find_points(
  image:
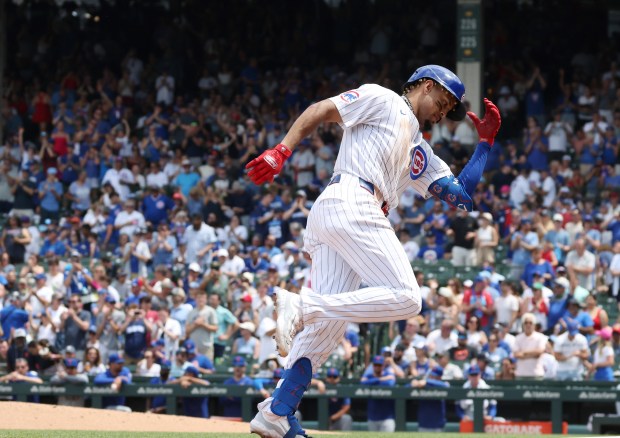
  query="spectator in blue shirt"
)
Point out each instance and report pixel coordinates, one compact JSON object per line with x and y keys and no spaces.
{"x":158,"y":404}
{"x":338,"y":407}
{"x":51,"y":244}
{"x":431,"y":413}
{"x":115,"y":377}
{"x":136,"y":329}
{"x":13,"y":316}
{"x":193,"y":406}
{"x":232,"y":405}
{"x":156,"y":206}
{"x":200,"y":361}
{"x":50,"y":194}
{"x":186,"y":179}
{"x":431,"y":251}
{"x":381,"y":412}
{"x":575,"y":312}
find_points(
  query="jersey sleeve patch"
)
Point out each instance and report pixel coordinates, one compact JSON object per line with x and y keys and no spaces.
{"x":419,"y":162}
{"x":350,"y":96}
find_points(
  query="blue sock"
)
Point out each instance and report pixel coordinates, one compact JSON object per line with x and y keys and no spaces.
{"x":286,"y":398}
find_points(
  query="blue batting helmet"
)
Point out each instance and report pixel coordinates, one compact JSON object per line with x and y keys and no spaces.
{"x":447,"y":80}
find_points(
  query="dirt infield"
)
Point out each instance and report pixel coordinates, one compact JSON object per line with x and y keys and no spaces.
{"x":40,"y":417}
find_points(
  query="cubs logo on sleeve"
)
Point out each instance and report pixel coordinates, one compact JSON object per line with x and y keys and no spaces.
{"x":419,"y":162}
{"x":350,"y":96}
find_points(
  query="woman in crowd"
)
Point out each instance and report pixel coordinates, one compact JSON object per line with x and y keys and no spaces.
{"x":91,"y":364}
{"x":601,"y":368}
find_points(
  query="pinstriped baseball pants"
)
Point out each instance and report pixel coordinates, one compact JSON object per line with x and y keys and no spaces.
{"x":350,"y":242}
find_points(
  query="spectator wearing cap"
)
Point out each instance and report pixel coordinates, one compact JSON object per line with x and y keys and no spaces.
{"x":572,"y":353}
{"x":462,"y":352}
{"x":200,"y":361}
{"x":114,"y":377}
{"x":41,"y":297}
{"x":157,"y":405}
{"x":187,"y":178}
{"x":232,"y":265}
{"x":50,"y":193}
{"x":575,"y":311}
{"x":539,"y":265}
{"x":201,"y":325}
{"x":93,"y":340}
{"x":299,"y":209}
{"x":193,"y":406}
{"x":487,"y":372}
{"x":108,"y":324}
{"x":580,"y":265}
{"x":74,"y":323}
{"x":69,"y":375}
{"x":247,"y":344}
{"x":136,"y":329}
{"x":463,"y":230}
{"x":388,"y":356}
{"x":559,"y":238}
{"x":232,"y":405}
{"x":13,"y":316}
{"x":399,"y":360}
{"x":431,"y":413}
{"x":51,"y":245}
{"x":226,"y":325}
{"x":529,"y":348}
{"x":180,"y":309}
{"x":478,"y":302}
{"x":198,"y":241}
{"x":279,"y":230}
{"x":381,"y":412}
{"x":136,"y":293}
{"x":17,"y":348}
{"x":465,"y":408}
{"x":522,"y":243}
{"x":338,"y":408}
{"x":431,"y":251}
{"x":601,"y":368}
{"x":129,"y":220}
{"x":215,"y":282}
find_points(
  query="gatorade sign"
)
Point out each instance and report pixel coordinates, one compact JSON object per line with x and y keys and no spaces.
{"x":514,"y":427}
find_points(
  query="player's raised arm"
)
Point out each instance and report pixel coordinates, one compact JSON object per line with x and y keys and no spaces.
{"x":269,"y":164}
{"x":458,"y":191}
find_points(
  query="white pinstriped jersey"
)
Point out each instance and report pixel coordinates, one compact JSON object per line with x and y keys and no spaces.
{"x":381,"y":135}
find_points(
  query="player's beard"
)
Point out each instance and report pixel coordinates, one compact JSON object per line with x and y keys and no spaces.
{"x":428,"y":125}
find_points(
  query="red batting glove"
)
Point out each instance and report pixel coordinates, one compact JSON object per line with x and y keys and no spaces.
{"x":489,"y":126}
{"x":268,"y":164}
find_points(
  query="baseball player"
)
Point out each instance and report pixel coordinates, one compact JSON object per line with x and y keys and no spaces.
{"x":348,"y":235}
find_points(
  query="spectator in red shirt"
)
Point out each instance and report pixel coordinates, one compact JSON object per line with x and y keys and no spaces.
{"x":478,"y":302}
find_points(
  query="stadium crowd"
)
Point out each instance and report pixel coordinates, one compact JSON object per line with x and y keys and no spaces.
{"x":133,"y":243}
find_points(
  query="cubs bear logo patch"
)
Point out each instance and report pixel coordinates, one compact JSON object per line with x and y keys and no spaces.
{"x":350,"y":96}
{"x":419,"y":161}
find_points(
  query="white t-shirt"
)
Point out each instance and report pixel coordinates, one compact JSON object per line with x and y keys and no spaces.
{"x":158,"y":179}
{"x":143,"y":371}
{"x":550,"y":189}
{"x":412,"y":249}
{"x":615,"y":266}
{"x":558,"y":139}
{"x":171,"y":346}
{"x":45,"y":293}
{"x":504,"y":307}
{"x":532,"y":367}
{"x":438,"y":344}
{"x":602,"y":355}
{"x":135,"y":218}
{"x":568,"y":347}
{"x":235,"y":265}
{"x":196,"y":240}
{"x":267,"y":343}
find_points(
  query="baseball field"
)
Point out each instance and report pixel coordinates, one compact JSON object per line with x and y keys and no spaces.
{"x":28,"y":420}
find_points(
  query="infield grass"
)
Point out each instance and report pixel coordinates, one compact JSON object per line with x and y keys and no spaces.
{"x":95,"y":434}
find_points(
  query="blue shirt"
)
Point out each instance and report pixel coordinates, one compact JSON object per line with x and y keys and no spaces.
{"x":12,"y":317}
{"x":49,"y":201}
{"x":232,"y":405}
{"x":135,"y":339}
{"x":557,"y":310}
{"x":156,"y":208}
{"x":522,"y":256}
{"x":432,"y":413}
{"x":535,"y":268}
{"x":379,"y":409}
{"x":56,"y":248}
{"x":335,"y":404}
{"x":196,"y":407}
{"x":202,"y":361}
{"x":107,"y":379}
{"x":159,"y":401}
{"x":186,"y":181}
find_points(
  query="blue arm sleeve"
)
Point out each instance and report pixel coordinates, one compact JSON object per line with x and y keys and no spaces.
{"x":457,"y":191}
{"x":492,"y":411}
